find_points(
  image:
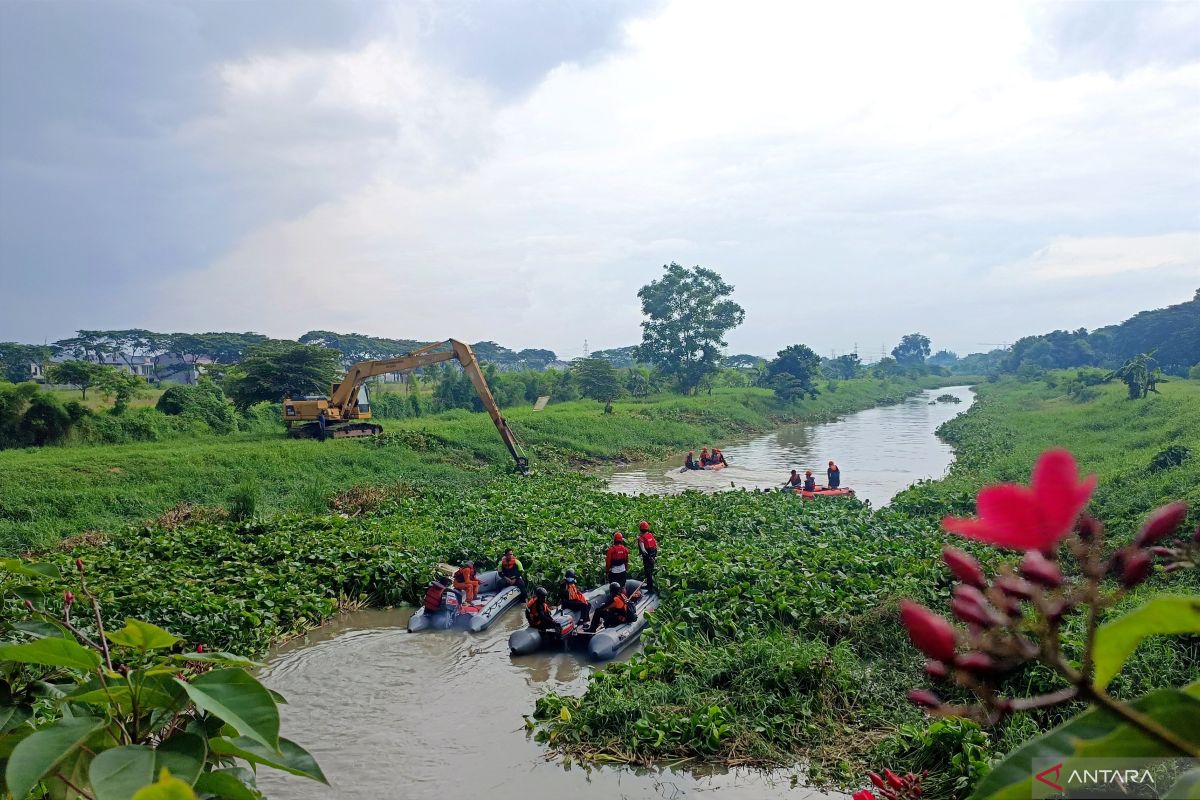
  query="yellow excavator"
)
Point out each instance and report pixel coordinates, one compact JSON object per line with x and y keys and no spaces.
{"x":348,"y":406}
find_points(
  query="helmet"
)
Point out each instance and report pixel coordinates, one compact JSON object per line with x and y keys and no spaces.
{"x":643,"y":526}
{"x":469,"y":564}
{"x":444,"y":580}
{"x":570,"y":573}
{"x":618,"y":537}
{"x":541,"y":591}
{"x":614,"y":587}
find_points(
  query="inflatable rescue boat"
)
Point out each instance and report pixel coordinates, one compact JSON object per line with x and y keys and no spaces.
{"x":839,"y":492}
{"x":493,"y":599}
{"x":601,"y":645}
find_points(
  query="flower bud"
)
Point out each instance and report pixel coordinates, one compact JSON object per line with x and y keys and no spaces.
{"x":1162,"y":522}
{"x":29,"y":605}
{"x":68,"y":597}
{"x":1178,"y":565}
{"x":1162,"y":551}
{"x":1089,"y":528}
{"x":936,"y":670}
{"x":977,"y":663}
{"x":964,"y":566}
{"x":931,"y":634}
{"x":877,"y":780}
{"x":968,"y":611}
{"x":894,"y":780}
{"x":1136,"y":569}
{"x":1057,"y":610}
{"x":863,"y":794}
{"x":1039,"y":569}
{"x":1013,"y":586}
{"x":79,"y":564}
{"x":924,"y":698}
{"x":124,"y":670}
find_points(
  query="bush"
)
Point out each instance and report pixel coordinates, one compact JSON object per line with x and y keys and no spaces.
{"x":204,"y":402}
{"x":243,"y":501}
{"x":390,"y":406}
{"x":137,"y":425}
{"x":1194,"y":372}
{"x":30,"y":416}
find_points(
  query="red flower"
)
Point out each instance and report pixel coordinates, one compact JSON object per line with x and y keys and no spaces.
{"x":931,"y":634}
{"x":1033,"y":517}
{"x":964,"y":567}
{"x":865,"y":794}
{"x":1162,"y":522}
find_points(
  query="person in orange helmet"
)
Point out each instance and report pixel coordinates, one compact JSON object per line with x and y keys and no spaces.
{"x":616,"y":560}
{"x":648,"y":548}
{"x":465,"y":582}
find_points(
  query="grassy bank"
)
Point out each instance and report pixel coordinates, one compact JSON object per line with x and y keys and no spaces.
{"x":50,"y":493}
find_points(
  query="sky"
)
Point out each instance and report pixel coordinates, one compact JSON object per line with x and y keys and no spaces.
{"x":515,"y":170}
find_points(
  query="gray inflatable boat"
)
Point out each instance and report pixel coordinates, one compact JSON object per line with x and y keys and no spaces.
{"x":493,"y":599}
{"x":601,"y":645}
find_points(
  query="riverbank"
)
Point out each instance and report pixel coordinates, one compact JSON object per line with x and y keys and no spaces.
{"x":51,"y":493}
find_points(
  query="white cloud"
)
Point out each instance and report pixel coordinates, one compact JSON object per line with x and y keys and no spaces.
{"x":868,"y":159}
{"x":1068,"y":257}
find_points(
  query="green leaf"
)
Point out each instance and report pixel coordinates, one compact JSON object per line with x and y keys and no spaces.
{"x":12,"y":716}
{"x":39,"y":753}
{"x":166,"y":788}
{"x":42,"y":629}
{"x":142,"y":636}
{"x":118,"y":773}
{"x":1012,"y":778}
{"x":240,"y":700}
{"x":226,"y":785}
{"x":1116,"y":640}
{"x":1181,"y":717}
{"x":291,"y":757}
{"x":120,"y":698}
{"x":29,"y":569}
{"x":183,"y":754}
{"x":51,"y":653}
{"x":9,"y":741}
{"x":1187,"y":787}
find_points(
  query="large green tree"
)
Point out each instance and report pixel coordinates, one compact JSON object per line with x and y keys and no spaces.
{"x":80,"y":374}
{"x":596,"y":379}
{"x":792,"y":372}
{"x":688,"y":312}
{"x":119,"y":385}
{"x":913,"y":349}
{"x":275,"y":369}
{"x":15,"y":359}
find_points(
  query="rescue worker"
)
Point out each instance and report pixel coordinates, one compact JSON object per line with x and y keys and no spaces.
{"x":538,"y":612}
{"x":648,"y":548}
{"x":690,"y":462}
{"x":617,"y":610}
{"x":616,"y":560}
{"x":465,"y":581}
{"x":793,"y":482}
{"x":512,"y":572}
{"x":835,"y":475}
{"x":573,"y":598}
{"x":704,"y":458}
{"x":718,"y":458}
{"x":321,"y":421}
{"x":810,"y":483}
{"x":435,"y":594}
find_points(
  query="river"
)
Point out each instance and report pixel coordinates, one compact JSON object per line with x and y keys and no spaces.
{"x":389,"y":714}
{"x":880,"y":451}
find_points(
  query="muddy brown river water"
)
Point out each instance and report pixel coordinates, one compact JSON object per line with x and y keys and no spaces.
{"x":389,"y":714}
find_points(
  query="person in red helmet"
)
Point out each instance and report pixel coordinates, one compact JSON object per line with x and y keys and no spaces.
{"x":648,"y":548}
{"x":616,"y":561}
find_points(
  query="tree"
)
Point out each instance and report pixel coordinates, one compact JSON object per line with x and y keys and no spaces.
{"x":688,"y":315}
{"x":791,"y":373}
{"x":1140,"y":374}
{"x":276,"y":369}
{"x":15,"y":359}
{"x":118,"y":385}
{"x":596,"y":379}
{"x":944,"y":358}
{"x":843,"y":367}
{"x":913,"y":349}
{"x":80,"y":374}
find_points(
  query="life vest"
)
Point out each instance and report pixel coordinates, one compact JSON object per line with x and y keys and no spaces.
{"x":508,"y":566}
{"x":810,"y":484}
{"x":618,"y":604}
{"x":575,"y":593}
{"x":433,"y":597}
{"x":618,"y":557}
{"x":649,"y":542}
{"x":534,"y":612}
{"x":464,"y":575}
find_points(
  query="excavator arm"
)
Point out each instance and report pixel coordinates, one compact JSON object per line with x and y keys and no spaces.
{"x":346,"y":393}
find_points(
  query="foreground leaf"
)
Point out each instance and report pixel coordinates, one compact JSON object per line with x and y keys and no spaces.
{"x":142,"y":636}
{"x":183,"y":754}
{"x":118,"y":773}
{"x":291,"y":757}
{"x":1116,"y":640}
{"x":41,"y":752}
{"x":51,"y":652}
{"x":166,"y":788}
{"x":29,"y":569}
{"x":226,"y":785}
{"x":240,"y":700}
{"x":1187,"y":787}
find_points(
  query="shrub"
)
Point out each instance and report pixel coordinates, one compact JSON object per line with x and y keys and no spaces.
{"x":243,"y":501}
{"x":30,"y":416}
{"x":204,"y":402}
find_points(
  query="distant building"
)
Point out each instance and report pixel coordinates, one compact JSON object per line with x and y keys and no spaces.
{"x":173,"y":368}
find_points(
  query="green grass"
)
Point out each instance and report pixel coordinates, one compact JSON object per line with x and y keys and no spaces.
{"x":97,"y":401}
{"x":50,"y":493}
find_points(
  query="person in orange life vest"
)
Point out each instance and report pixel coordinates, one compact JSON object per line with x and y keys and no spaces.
{"x":538,"y":612}
{"x":573,"y":598}
{"x":465,"y":581}
{"x":690,"y":461}
{"x":511,"y":571}
{"x":835,"y":475}
{"x":718,"y":458}
{"x":794,"y":481}
{"x":810,"y":483}
{"x":616,"y":560}
{"x":648,"y":548}
{"x":704,"y":457}
{"x":618,"y":610}
{"x":435,"y":595}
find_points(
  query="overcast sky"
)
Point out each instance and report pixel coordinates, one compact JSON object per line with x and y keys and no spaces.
{"x":516,"y":169}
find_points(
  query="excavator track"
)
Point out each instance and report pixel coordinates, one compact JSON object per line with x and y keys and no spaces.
{"x":313,"y":431}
